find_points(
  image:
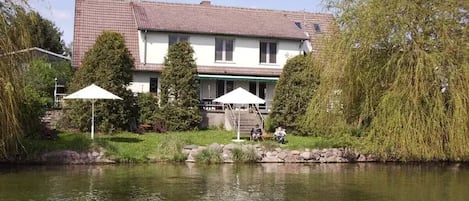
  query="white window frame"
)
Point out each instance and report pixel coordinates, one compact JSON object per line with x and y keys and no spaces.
{"x":223,"y":51}
{"x":267,"y":55}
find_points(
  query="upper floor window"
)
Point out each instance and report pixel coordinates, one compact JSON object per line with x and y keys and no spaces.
{"x":174,"y":38}
{"x":223,"y":49}
{"x":268,"y":52}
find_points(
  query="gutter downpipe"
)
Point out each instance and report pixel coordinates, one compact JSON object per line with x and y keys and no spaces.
{"x":145,"y":50}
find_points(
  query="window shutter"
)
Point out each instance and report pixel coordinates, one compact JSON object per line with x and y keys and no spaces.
{"x":218,"y":49}
{"x":272,"y":53}
{"x":229,"y":50}
{"x":263,"y":52}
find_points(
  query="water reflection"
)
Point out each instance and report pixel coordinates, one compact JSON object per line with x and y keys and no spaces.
{"x":361,"y":181}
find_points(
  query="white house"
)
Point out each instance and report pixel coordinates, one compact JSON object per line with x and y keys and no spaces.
{"x":234,"y":47}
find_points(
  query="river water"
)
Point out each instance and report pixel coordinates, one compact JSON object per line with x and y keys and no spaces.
{"x":242,"y":182}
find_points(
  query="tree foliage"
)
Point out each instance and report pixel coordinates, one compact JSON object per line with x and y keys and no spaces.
{"x":179,"y":88}
{"x":44,"y":33}
{"x":107,"y":64}
{"x":299,"y":80}
{"x":148,"y":109}
{"x":40,"y":76}
{"x":398,"y":70}
{"x":13,"y":113}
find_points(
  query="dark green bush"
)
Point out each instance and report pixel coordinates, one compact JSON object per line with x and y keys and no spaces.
{"x":148,"y":109}
{"x":298,"y":82}
{"x":180,"y":89}
{"x":107,"y":64}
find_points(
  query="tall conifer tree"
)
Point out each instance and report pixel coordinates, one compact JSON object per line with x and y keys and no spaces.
{"x":180,"y":88}
{"x":107,"y":64}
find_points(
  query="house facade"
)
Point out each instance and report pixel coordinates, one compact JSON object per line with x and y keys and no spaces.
{"x":234,"y":47}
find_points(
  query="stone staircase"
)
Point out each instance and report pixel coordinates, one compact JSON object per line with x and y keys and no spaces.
{"x":51,"y":118}
{"x":248,"y":121}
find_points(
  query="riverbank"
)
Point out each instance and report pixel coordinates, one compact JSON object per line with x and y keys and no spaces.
{"x":219,"y":153}
{"x":77,"y":148}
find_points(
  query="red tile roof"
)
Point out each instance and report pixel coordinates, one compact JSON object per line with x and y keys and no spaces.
{"x":92,"y":17}
{"x":307,"y":19}
{"x":195,"y":18}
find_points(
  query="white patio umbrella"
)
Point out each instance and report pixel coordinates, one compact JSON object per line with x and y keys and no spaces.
{"x":239,"y":96}
{"x":92,"y":93}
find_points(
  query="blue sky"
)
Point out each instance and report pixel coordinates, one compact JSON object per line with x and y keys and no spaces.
{"x":61,"y":12}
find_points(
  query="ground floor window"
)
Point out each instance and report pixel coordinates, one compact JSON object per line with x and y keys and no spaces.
{"x":153,"y":85}
{"x":258,"y":89}
{"x":224,"y":86}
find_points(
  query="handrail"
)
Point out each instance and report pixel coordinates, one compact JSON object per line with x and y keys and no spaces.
{"x":233,"y":116}
{"x":260,"y":115}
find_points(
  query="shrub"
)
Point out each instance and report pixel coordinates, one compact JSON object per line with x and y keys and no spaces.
{"x":244,"y":155}
{"x":148,"y":108}
{"x":108,"y":64}
{"x":170,"y":147}
{"x":179,"y":89}
{"x":209,"y":156}
{"x":298,"y":82}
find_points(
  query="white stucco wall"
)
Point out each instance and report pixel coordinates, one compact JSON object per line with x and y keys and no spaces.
{"x":141,"y":81}
{"x":245,"y":52}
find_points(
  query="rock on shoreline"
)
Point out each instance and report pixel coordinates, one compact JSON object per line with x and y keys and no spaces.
{"x":263,"y":155}
{"x":73,"y":157}
{"x":278,"y":155}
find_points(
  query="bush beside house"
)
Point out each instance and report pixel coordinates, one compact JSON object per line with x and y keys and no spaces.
{"x":179,"y":89}
{"x":107,"y":64}
{"x":298,"y":82}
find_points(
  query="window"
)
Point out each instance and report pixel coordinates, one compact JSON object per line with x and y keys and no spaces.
{"x":177,"y":38}
{"x":223,"y":49}
{"x":268,"y":52}
{"x":220,"y":88}
{"x":298,"y":24}
{"x":224,"y":86}
{"x":229,"y":86}
{"x":317,"y":28}
{"x":153,"y":85}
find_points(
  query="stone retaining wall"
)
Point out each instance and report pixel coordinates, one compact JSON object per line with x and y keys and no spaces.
{"x":73,"y":157}
{"x":263,"y":155}
{"x":278,"y":155}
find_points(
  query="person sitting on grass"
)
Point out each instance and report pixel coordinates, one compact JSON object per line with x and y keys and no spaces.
{"x":256,"y":133}
{"x":280,"y":135}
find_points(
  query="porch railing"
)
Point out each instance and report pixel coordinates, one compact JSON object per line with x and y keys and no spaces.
{"x":258,"y":112}
{"x":234,"y":121}
{"x":208,"y":105}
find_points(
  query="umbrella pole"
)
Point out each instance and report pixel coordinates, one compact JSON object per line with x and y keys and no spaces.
{"x":239,"y":121}
{"x":92,"y":119}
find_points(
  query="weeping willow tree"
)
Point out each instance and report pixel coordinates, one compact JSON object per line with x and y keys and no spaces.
{"x":399,"y":71}
{"x":11,"y":91}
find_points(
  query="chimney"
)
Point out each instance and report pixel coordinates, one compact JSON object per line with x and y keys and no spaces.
{"x":205,"y":3}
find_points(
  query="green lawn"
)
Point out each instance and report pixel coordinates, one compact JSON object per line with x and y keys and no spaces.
{"x":131,"y":147}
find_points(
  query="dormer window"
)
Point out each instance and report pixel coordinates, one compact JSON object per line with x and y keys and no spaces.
{"x":298,"y":24}
{"x":317,"y":28}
